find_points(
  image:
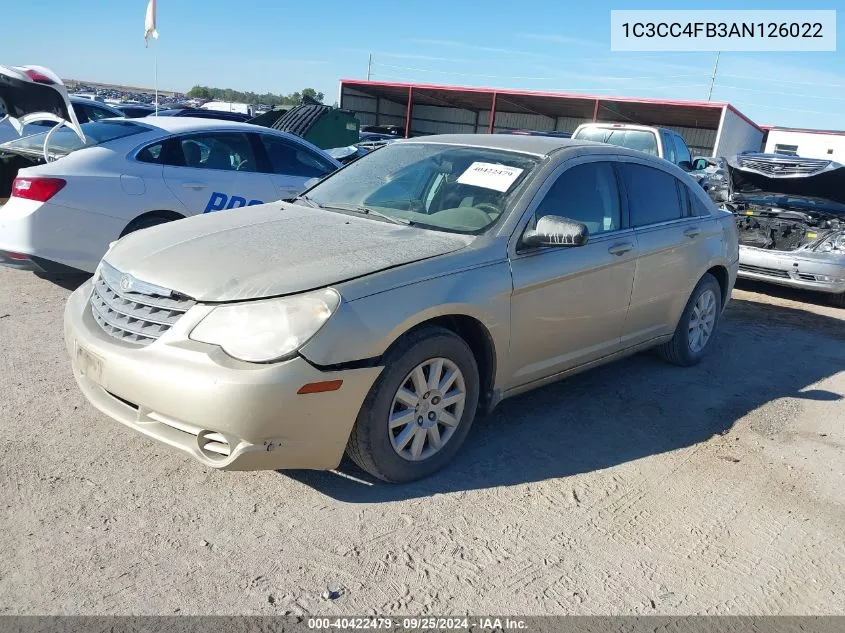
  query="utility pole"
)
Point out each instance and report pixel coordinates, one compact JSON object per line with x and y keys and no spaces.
{"x":713,"y":79}
{"x":369,"y":66}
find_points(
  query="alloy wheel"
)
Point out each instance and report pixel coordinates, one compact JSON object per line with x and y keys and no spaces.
{"x":427,"y":409}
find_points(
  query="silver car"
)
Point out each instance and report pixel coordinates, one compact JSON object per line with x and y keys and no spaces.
{"x":790,"y":213}
{"x":380,"y":311}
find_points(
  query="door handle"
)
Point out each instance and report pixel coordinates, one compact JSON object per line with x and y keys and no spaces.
{"x":196,"y":186}
{"x":692,"y":232}
{"x":620,"y":249}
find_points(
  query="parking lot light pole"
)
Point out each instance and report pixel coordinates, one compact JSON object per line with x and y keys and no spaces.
{"x":713,"y":79}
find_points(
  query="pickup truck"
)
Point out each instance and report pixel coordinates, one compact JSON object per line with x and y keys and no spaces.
{"x":656,"y":141}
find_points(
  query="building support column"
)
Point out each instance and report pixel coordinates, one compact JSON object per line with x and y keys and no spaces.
{"x":409,"y":112}
{"x":492,"y":115}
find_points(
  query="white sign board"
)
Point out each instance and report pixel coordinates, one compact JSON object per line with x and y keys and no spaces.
{"x":490,"y":176}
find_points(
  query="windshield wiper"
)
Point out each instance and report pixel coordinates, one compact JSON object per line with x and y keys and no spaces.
{"x":359,"y":208}
{"x":304,"y":198}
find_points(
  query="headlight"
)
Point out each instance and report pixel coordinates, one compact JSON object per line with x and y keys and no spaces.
{"x":100,"y":265}
{"x":268,"y":330}
{"x":834,"y":243}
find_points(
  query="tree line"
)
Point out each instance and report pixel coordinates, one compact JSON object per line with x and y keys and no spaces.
{"x":268,"y":98}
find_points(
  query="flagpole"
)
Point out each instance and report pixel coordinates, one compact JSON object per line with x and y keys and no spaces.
{"x":156,"y":73}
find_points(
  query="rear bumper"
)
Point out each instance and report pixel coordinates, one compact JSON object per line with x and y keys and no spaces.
{"x":54,"y":237}
{"x":22,"y":261}
{"x":819,"y":272}
{"x":192,"y":396}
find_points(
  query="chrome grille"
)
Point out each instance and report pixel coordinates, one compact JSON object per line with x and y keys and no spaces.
{"x":783,"y":166}
{"x":761,"y":270}
{"x":132,"y":310}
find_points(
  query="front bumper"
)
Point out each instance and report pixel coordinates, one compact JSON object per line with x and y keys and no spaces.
{"x":225,"y":413}
{"x":805,"y":270}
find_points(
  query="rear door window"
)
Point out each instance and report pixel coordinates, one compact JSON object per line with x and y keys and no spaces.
{"x":652,"y":195}
{"x":151,"y":154}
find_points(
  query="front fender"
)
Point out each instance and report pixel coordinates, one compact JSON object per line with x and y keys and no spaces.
{"x":365,"y":328}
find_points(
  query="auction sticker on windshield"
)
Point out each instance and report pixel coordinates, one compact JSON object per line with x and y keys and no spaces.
{"x":490,"y":176}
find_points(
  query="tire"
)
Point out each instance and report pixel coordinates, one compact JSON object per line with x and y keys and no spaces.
{"x":373,"y":445}
{"x":838,"y":301}
{"x":679,"y":350}
{"x":145,"y":222}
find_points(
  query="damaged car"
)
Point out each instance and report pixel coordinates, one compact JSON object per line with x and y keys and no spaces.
{"x":379,"y":310}
{"x":790,"y":215}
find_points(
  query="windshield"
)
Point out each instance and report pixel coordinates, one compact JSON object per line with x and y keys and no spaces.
{"x":444,"y":187}
{"x":641,"y":140}
{"x":64,"y":141}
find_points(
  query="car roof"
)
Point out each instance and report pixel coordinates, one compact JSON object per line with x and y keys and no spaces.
{"x":525,"y":143}
{"x":175,"y":124}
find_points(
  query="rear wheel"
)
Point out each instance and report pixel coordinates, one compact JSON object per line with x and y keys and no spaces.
{"x":419,"y":411}
{"x":697,"y":325}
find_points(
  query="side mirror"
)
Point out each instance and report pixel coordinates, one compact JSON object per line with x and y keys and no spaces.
{"x":699,"y":164}
{"x":553,"y":230}
{"x":686,"y":165}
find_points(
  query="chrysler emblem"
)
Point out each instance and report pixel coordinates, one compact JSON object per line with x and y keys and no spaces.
{"x":126,"y":283}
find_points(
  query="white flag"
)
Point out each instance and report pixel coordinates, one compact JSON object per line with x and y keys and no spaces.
{"x":150,"y":23}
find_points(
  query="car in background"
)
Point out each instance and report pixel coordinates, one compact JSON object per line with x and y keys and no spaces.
{"x":790,"y":214}
{"x":197,"y":113}
{"x":135,"y":110}
{"x":554,"y":133}
{"x":135,"y":173}
{"x":391,"y":130}
{"x":710,"y":173}
{"x":666,"y":144}
{"x":375,"y":137}
{"x":381,"y":309}
{"x":85,"y":109}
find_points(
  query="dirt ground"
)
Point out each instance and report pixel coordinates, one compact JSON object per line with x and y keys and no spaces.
{"x":634,"y":488}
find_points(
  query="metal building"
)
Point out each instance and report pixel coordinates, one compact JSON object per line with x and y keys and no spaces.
{"x":824,"y":144}
{"x":709,"y":128}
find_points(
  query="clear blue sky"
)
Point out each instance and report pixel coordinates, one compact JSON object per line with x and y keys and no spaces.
{"x":279,"y":46}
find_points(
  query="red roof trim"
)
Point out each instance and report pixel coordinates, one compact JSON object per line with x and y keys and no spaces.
{"x":533,"y":93}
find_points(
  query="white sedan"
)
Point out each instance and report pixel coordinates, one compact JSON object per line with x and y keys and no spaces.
{"x":130,"y":174}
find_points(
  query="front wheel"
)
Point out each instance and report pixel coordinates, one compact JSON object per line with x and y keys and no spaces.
{"x":419,"y":411}
{"x":697,"y":325}
{"x":837,"y":301}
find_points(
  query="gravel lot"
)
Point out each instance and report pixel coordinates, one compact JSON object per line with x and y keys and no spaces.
{"x":635,"y":488}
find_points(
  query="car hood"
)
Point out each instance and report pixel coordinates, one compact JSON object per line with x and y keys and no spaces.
{"x":769,"y":174}
{"x":271,"y":250}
